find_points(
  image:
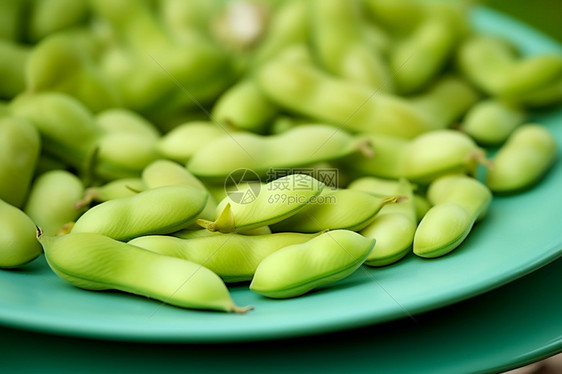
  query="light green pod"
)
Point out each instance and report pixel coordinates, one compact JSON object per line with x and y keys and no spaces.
{"x":306,"y":90}
{"x":19,"y":151}
{"x":244,"y":106}
{"x":65,"y":62}
{"x":335,"y":209}
{"x":124,"y":155}
{"x":289,"y":25}
{"x":393,"y":228}
{"x":168,"y":173}
{"x":160,"y":210}
{"x":526,"y":156}
{"x":300,"y":268}
{"x":12,"y":17}
{"x":121,"y":120}
{"x":491,"y":122}
{"x":446,"y":101}
{"x":418,"y":58}
{"x":309,"y":144}
{"x":66,"y":126}
{"x":249,"y":208}
{"x":180,"y":143}
{"x":17,"y":237}
{"x":458,"y":202}
{"x":116,"y":189}
{"x":12,"y":65}
{"x":494,"y":66}
{"x":438,"y":153}
{"x":339,"y":43}
{"x":233,"y":257}
{"x":96,"y":262}
{"x":49,"y":16}
{"x":52,"y":200}
{"x":399,"y":16}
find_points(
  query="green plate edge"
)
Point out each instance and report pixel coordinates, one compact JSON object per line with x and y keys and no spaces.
{"x":519,"y":236}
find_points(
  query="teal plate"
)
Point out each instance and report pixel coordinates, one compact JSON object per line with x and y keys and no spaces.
{"x":520,"y":234}
{"x":508,"y":327}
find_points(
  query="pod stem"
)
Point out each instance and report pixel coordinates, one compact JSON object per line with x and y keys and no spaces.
{"x":479,"y":157}
{"x":366,"y":148}
{"x":209,"y":225}
{"x":241,"y":310}
{"x":393,"y":199}
{"x":90,"y":195}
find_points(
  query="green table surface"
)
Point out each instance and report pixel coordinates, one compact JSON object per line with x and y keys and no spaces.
{"x":513,"y":325}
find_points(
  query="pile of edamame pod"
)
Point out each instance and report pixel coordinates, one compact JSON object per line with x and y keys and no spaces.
{"x":171,"y":148}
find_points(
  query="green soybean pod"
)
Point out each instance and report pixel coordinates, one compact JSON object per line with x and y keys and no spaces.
{"x":181,"y":142}
{"x":309,"y":144}
{"x":122,"y":120}
{"x":248,"y":208}
{"x":66,"y":126}
{"x":438,"y":153}
{"x":17,"y":237}
{"x":49,"y":16}
{"x":116,"y":189}
{"x":393,"y":228}
{"x":300,"y":268}
{"x":338,"y":40}
{"x":203,"y":233}
{"x":233,"y":257}
{"x":289,"y":25}
{"x":446,"y":101}
{"x":458,"y":202}
{"x":19,"y":151}
{"x":526,"y":156}
{"x":12,"y":15}
{"x":388,"y":152}
{"x":160,"y":210}
{"x":420,"y":56}
{"x":124,"y":155}
{"x":168,"y":173}
{"x":490,"y":122}
{"x":335,"y":209}
{"x":244,"y":106}
{"x":306,"y":90}
{"x":12,"y":65}
{"x":401,"y":17}
{"x":52,"y":200}
{"x":96,"y":262}
{"x":65,"y":62}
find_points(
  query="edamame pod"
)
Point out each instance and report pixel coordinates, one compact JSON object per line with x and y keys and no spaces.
{"x":438,"y":153}
{"x":116,"y":189}
{"x":458,"y":202}
{"x":393,"y":228}
{"x":124,"y":155}
{"x":233,"y":257}
{"x":308,"y":143}
{"x":491,"y":122}
{"x":200,"y":233}
{"x":275,"y":202}
{"x":17,"y":237}
{"x":66,"y":126}
{"x":167,"y":173}
{"x":244,"y":106}
{"x":52,"y":200}
{"x":180,"y":143}
{"x":340,"y":46}
{"x":306,"y":90}
{"x":526,"y":156}
{"x":96,"y":262}
{"x":49,"y":16}
{"x":300,"y":268}
{"x":64,"y":62}
{"x":19,"y":151}
{"x":160,"y":210}
{"x":493,"y":65}
{"x":335,"y":209}
{"x":121,"y":120}
{"x":12,"y":65}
